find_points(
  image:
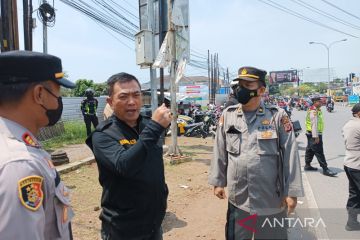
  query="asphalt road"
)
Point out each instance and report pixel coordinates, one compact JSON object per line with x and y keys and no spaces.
{"x":330,"y":193}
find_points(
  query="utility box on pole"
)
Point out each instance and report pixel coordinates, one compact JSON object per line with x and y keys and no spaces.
{"x":144,"y":53}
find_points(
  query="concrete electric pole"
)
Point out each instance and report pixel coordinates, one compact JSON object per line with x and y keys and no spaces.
{"x":174,"y":149}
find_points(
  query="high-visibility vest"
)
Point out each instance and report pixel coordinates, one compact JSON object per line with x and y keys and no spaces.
{"x":320,"y":120}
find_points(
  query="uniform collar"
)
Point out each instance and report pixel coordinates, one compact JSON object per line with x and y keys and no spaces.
{"x":16,"y":131}
{"x":260,"y":111}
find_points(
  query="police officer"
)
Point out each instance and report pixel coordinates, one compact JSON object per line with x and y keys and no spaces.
{"x":88,"y":109}
{"x":256,"y":158}
{"x":131,"y":170}
{"x":351,"y":134}
{"x":34,"y":201}
{"x":314,"y":130}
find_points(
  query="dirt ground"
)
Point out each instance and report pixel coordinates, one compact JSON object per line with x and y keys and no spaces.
{"x":193,"y":211}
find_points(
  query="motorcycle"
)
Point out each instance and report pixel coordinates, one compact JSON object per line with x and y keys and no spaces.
{"x":330,"y":107}
{"x":201,"y":129}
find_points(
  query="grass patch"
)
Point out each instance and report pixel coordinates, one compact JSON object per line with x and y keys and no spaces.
{"x":75,"y":133}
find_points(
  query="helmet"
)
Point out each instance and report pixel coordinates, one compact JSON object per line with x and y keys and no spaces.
{"x":89,"y":92}
{"x":234,"y":84}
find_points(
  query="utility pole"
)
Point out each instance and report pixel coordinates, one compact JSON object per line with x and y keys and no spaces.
{"x":212,"y":78}
{"x":153,"y":83}
{"x":27,"y":19}
{"x":162,"y":32}
{"x":15,"y":28}
{"x":10,"y":35}
{"x":174,"y":149}
{"x":45,"y":47}
{"x":209,"y":81}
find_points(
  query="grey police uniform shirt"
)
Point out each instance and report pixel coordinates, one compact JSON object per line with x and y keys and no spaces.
{"x":246,"y":155}
{"x":31,"y":207}
{"x":351,"y":134}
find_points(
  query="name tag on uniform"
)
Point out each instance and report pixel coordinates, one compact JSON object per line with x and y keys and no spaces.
{"x":266,"y":132}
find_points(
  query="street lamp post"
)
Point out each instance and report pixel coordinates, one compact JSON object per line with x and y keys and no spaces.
{"x":328,"y":54}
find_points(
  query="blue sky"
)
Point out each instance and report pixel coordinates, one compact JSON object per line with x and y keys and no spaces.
{"x":243,"y":32}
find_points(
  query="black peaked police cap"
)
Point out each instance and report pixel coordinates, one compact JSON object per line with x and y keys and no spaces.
{"x":27,"y":66}
{"x":251,"y":74}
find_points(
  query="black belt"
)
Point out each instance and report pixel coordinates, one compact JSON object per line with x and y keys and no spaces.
{"x":310,"y":133}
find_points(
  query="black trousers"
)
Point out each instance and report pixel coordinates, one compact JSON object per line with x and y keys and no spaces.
{"x":88,"y":119}
{"x":315,"y":149}
{"x":353,"y":203}
{"x":108,"y":232}
{"x":259,"y":227}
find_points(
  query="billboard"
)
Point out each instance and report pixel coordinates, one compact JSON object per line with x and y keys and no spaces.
{"x":195,"y":92}
{"x":283,"y":76}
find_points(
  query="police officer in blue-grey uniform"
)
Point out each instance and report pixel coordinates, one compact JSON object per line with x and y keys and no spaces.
{"x":256,"y":157}
{"x":34,"y":201}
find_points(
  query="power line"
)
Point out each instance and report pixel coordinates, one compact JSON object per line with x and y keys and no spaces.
{"x":132,"y":49}
{"x":298,"y":15}
{"x":344,"y":11}
{"x":325,"y":14}
{"x":123,"y":28}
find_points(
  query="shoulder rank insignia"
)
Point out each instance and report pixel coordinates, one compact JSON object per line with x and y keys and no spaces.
{"x":28,"y":140}
{"x":286,"y":123}
{"x":30,"y":192}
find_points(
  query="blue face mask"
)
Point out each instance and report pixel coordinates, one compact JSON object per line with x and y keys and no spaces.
{"x":54,"y":115}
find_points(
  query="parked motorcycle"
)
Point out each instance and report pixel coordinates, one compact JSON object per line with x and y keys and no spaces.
{"x":202,"y":129}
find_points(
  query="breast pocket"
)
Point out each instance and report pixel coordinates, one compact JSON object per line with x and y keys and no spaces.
{"x":63,"y":211}
{"x":233,"y":143}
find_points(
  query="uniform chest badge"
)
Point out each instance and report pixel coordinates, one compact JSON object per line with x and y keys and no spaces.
{"x":30,"y":192}
{"x":265,"y":122}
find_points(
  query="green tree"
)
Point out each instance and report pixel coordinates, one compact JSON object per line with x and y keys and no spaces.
{"x":323,"y":87}
{"x":67,"y":92}
{"x":100,"y":89}
{"x":305,"y":89}
{"x":82,"y":85}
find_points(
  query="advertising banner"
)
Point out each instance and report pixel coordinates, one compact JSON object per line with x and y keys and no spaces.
{"x":283,"y":76}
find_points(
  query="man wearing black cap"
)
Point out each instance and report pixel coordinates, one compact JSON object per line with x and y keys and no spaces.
{"x":34,"y":201}
{"x":256,"y":158}
{"x":351,"y":134}
{"x":314,"y":130}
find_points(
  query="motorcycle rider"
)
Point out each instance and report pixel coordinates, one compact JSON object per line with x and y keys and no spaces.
{"x":330,"y":103}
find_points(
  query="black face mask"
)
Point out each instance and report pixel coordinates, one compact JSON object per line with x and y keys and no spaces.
{"x":243,"y":95}
{"x":54,"y":114}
